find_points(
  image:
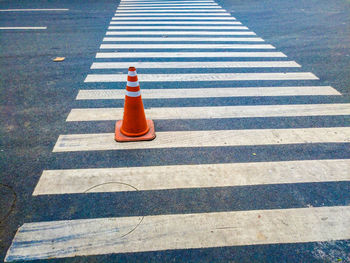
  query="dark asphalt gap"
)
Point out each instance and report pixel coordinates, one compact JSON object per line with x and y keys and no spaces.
{"x":184,"y":201}
{"x":219,"y":124}
{"x":38,"y":95}
{"x":203,"y":155}
{"x":212,"y":102}
{"x":206,"y":84}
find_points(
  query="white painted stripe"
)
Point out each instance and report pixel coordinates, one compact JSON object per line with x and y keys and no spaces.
{"x":186,"y":46}
{"x":23,"y":28}
{"x":148,"y":2}
{"x":133,"y":94}
{"x":105,"y":94}
{"x":191,"y":176}
{"x":83,"y":237}
{"x":175,"y":22}
{"x":178,"y":27}
{"x":127,"y":5}
{"x":184,"y":39}
{"x":132,"y":84}
{"x":187,"y":11}
{"x":173,"y":18}
{"x":33,"y":10}
{"x":137,"y":3}
{"x":189,"y":54}
{"x":204,"y":77}
{"x":188,"y":14}
{"x":163,"y":2}
{"x":101,"y":114}
{"x":217,"y":138}
{"x":160,"y":2}
{"x":167,"y":5}
{"x":165,"y":33}
{"x":171,"y":7}
{"x":190,"y":64}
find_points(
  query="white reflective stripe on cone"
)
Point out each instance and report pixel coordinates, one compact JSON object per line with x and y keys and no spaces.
{"x":133,"y":93}
{"x":132,"y":84}
{"x":132,"y":73}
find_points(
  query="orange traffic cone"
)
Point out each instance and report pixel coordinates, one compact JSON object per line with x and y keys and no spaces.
{"x":134,"y":126}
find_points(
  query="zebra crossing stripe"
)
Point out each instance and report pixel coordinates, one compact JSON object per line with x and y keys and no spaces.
{"x":99,"y":114}
{"x":184,"y":39}
{"x":176,"y":22}
{"x":190,"y":176}
{"x":163,"y":12}
{"x":167,"y":5}
{"x":179,"y":27}
{"x":174,"y":13}
{"x":203,"y":77}
{"x":189,"y":54}
{"x":186,"y":46}
{"x":166,"y":33}
{"x":211,"y":64}
{"x":148,"y":2}
{"x":105,"y":94}
{"x":217,"y":138}
{"x":162,"y":2}
{"x":70,"y":238}
{"x":123,"y":6}
{"x":210,"y":7}
{"x":173,"y":18}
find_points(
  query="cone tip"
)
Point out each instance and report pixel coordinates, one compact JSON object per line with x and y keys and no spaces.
{"x":132,"y":69}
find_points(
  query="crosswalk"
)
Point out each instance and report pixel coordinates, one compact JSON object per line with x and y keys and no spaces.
{"x":194,"y":53}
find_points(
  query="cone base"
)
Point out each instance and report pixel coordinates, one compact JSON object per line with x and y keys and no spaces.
{"x":150,"y":135}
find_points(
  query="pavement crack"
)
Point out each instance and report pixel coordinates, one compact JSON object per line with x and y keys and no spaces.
{"x":13,"y":204}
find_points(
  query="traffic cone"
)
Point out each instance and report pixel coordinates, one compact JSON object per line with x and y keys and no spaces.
{"x":134,"y":126}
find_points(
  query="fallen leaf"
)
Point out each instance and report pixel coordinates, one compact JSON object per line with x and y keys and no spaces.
{"x":58,"y":59}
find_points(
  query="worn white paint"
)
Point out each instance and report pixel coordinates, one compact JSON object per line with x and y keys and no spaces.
{"x":190,"y":176}
{"x":171,"y":7}
{"x":175,"y":22}
{"x":105,"y":94}
{"x":188,"y":15}
{"x":179,"y":27}
{"x":183,"y":39}
{"x":189,"y":54}
{"x":204,"y":77}
{"x":186,"y":46}
{"x":216,"y":138}
{"x":173,"y":18}
{"x":58,"y":239}
{"x":167,"y":33}
{"x":184,"y":11}
{"x":190,"y":12}
{"x":190,"y":64}
{"x":162,"y":2}
{"x":127,"y":5}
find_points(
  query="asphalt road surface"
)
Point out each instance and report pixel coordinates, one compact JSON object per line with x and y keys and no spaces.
{"x":251,"y":106}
